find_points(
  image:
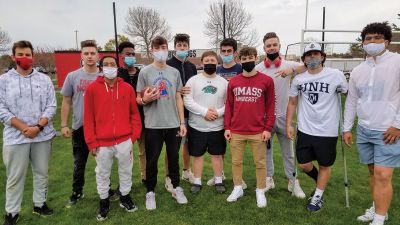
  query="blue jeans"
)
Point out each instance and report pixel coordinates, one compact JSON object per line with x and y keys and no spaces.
{"x":373,"y":150}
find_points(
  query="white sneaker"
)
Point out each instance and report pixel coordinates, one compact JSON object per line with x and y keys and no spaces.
{"x":168,"y":184}
{"x":236,"y":193}
{"x":211,"y":182}
{"x":179,"y":195}
{"x":295,"y":189}
{"x":261,"y":199}
{"x":369,"y":215}
{"x":187,"y":175}
{"x":244,"y":185}
{"x":269,"y":184}
{"x":150,"y":200}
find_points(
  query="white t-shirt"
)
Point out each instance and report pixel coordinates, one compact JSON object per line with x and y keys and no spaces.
{"x":318,"y":104}
{"x":281,"y":84}
{"x":206,"y":93}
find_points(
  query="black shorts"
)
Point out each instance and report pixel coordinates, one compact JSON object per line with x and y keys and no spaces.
{"x":199,"y":142}
{"x":322,"y":149}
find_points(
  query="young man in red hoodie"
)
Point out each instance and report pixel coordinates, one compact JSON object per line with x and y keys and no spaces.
{"x":112,"y":125}
{"x":249,"y":118}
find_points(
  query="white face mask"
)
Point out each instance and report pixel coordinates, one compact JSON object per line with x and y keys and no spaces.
{"x":160,"y":56}
{"x":110,"y":72}
{"x":373,"y":49}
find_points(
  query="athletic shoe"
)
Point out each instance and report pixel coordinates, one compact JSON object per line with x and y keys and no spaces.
{"x":315,"y":203}
{"x":127,"y":203}
{"x":220,"y":188}
{"x":211,"y":182}
{"x":244,"y":185}
{"x":261,"y":199}
{"x":104,"y":209}
{"x":114,"y":195}
{"x":236,"y":193}
{"x":369,"y":215}
{"x":188,"y":176}
{"x":295,"y":189}
{"x":269,"y":183}
{"x":74,"y":198}
{"x":150,"y":200}
{"x":195,"y":188}
{"x":43,"y":211}
{"x":179,"y":195}
{"x":10,"y":220}
{"x":168,"y":184}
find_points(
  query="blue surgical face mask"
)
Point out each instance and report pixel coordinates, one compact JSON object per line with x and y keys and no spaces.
{"x":182,"y":54}
{"x":227,"y":58}
{"x":130,"y":61}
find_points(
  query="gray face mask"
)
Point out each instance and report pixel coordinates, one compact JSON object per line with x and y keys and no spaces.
{"x":313,"y":63}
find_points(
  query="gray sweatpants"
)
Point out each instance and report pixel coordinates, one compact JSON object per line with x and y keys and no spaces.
{"x":16,"y":159}
{"x":104,"y":160}
{"x":286,"y":149}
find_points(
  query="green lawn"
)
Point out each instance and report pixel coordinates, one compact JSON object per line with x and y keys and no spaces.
{"x":207,"y":207}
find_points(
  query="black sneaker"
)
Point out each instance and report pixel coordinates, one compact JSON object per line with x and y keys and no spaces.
{"x":74,"y":198}
{"x":114,"y":194}
{"x":315,"y":204}
{"x":195,"y":188}
{"x":220,"y":188}
{"x":104,"y":209}
{"x":10,"y":220}
{"x":127,"y":203}
{"x":43,"y":211}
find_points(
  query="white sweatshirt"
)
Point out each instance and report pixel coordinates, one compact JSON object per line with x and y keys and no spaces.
{"x":281,"y":84}
{"x":374,"y":94}
{"x":206,"y":93}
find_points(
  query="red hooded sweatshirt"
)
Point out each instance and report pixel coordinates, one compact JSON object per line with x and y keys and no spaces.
{"x":111,"y":115}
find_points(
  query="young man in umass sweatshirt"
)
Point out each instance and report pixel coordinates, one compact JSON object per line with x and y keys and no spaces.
{"x":249,"y":118}
{"x":112,"y":125}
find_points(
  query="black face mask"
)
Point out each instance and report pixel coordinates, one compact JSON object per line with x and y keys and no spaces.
{"x":248,"y":66}
{"x":210,"y":68}
{"x":273,"y":56}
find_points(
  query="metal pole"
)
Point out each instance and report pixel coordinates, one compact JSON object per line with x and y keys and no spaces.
{"x":223,"y":21}
{"x":302,"y":42}
{"x":323,"y":27}
{"x":116,"y":35}
{"x":76,"y":39}
{"x":305,"y":23}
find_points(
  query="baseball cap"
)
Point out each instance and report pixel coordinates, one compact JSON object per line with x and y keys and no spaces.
{"x":313,"y":46}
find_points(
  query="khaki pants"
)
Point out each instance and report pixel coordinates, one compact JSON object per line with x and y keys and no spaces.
{"x":142,"y":157}
{"x":238,"y":145}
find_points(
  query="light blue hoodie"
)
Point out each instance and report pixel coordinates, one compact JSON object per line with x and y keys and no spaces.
{"x":27,"y":98}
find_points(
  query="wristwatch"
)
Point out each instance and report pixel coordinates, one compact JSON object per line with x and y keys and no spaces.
{"x":39,"y":126}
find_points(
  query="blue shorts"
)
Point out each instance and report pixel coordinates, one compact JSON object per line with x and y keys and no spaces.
{"x":373,"y":150}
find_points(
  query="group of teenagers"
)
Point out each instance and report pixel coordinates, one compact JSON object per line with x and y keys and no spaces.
{"x":167,"y":103}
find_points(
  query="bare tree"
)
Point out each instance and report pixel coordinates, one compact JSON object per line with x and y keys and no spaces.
{"x":143,"y":25}
{"x":237,"y":23}
{"x":5,"y":41}
{"x":44,"y":59}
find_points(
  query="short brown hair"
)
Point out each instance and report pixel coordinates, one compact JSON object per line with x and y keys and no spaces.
{"x":247,"y":51}
{"x":182,"y":38}
{"x":209,"y":53}
{"x":21,"y":44}
{"x":89,"y":43}
{"x":157,"y":41}
{"x":269,"y":36}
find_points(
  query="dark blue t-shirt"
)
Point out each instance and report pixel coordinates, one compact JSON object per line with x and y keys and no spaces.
{"x":228,"y":73}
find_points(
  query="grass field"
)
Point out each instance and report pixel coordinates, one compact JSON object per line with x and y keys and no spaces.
{"x":206,"y":207}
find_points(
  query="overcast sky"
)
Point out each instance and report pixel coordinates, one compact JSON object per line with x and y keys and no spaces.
{"x":53,"y":22}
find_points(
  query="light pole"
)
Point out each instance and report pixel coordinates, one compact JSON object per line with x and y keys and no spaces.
{"x":76,"y":39}
{"x":305,"y":23}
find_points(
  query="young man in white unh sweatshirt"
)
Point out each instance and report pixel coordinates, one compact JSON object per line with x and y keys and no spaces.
{"x":314,"y":94}
{"x":270,"y":66}
{"x":206,"y":105}
{"x":374,"y":97}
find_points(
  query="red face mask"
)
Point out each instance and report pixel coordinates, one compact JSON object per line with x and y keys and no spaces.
{"x":24,"y":62}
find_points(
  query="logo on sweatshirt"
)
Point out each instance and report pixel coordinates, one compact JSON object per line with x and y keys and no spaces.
{"x":209,"y":89}
{"x":247,"y":94}
{"x":313,"y":89}
{"x":313,"y":98}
